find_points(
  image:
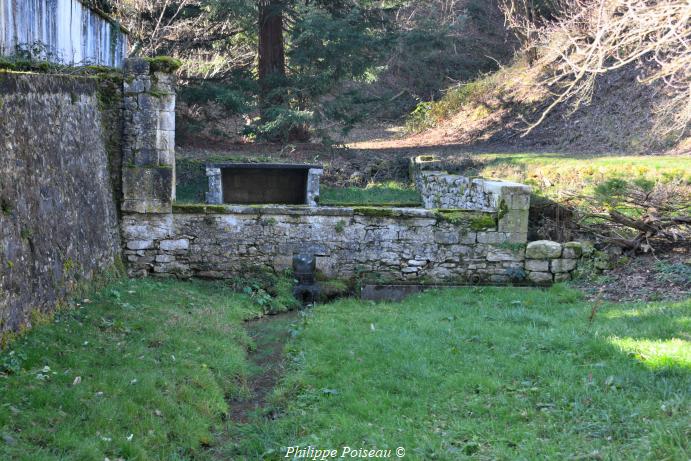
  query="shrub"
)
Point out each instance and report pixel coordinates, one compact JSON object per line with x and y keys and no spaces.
{"x":429,"y":114}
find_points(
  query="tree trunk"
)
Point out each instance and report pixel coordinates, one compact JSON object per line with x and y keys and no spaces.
{"x":272,"y":66}
{"x":271,"y":49}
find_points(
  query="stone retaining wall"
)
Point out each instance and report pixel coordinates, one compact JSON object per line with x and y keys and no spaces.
{"x":58,"y":214}
{"x":441,"y":190}
{"x":390,"y":243}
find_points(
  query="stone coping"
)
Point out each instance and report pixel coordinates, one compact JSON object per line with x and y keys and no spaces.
{"x":305,"y":210}
{"x":265,"y":166}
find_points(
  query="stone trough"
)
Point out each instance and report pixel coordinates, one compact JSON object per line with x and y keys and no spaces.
{"x":263,"y":183}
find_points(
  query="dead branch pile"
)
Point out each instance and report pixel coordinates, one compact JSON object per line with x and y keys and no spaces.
{"x":636,"y":215}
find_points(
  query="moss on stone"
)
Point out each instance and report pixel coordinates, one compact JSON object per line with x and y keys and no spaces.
{"x":514,"y":247}
{"x":377,"y":212}
{"x":155,"y":93}
{"x":334,"y":289}
{"x":482,"y":222}
{"x":164,"y":64}
{"x":199,"y":209}
{"x":23,"y":65}
{"x":476,"y":220}
{"x":503,"y":210}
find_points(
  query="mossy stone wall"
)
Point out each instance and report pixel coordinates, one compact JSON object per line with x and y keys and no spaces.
{"x":58,"y":218}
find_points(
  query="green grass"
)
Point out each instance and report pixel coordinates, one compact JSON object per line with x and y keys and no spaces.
{"x":390,"y":193}
{"x":156,"y":361}
{"x":555,"y":175}
{"x":481,"y":373}
{"x":486,"y":373}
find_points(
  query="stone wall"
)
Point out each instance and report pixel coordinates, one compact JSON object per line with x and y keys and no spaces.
{"x":470,"y":231}
{"x":548,"y":261}
{"x":441,"y":190}
{"x":389,"y":243}
{"x":58,"y":216}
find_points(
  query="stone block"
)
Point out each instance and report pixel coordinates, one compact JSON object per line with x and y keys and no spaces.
{"x":166,"y":158}
{"x":537,"y":265}
{"x":145,"y":157}
{"x":468,"y":237}
{"x":573,"y":250}
{"x":492,"y":237}
{"x":563,"y":265}
{"x":165,"y":83}
{"x":166,"y":103}
{"x":165,"y":140}
{"x":500,"y":254}
{"x":166,"y":120}
{"x":514,"y":222}
{"x":140,"y":244}
{"x":414,"y":262}
{"x":165,"y":258}
{"x":137,"y":85}
{"x":543,"y":249}
{"x":174,"y":245}
{"x":540,"y":277}
{"x":563,"y":277}
{"x":137,"y":66}
{"x":446,"y":238}
{"x":148,"y":106}
{"x":153,"y":185}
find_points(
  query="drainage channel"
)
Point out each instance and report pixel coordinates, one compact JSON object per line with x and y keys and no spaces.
{"x":267,"y":364}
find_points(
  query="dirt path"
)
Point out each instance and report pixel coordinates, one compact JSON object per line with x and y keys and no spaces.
{"x":267,"y":362}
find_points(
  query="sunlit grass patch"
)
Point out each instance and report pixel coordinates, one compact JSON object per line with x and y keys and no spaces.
{"x":556,"y":175}
{"x":674,"y":352}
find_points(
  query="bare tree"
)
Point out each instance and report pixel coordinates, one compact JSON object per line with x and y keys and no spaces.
{"x":187,"y":29}
{"x":592,"y":37}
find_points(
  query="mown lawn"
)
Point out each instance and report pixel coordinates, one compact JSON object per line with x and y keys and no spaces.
{"x":486,"y":373}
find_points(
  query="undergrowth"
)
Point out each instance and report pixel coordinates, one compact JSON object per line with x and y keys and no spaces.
{"x":429,"y":114}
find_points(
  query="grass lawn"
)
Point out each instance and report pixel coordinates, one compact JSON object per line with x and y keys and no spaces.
{"x":142,"y":371}
{"x":145,"y":370}
{"x":554,"y":174}
{"x":389,"y":193}
{"x":486,"y":373}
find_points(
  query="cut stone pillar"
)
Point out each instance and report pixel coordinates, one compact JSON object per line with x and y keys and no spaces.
{"x":313,"y":177}
{"x":215,"y":194}
{"x":148,"y":172}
